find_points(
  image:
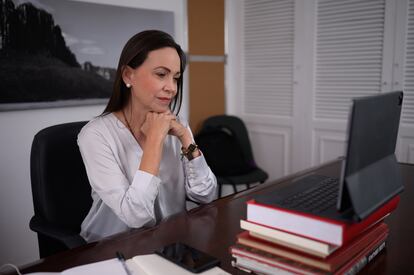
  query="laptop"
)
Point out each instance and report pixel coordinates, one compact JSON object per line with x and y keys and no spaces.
{"x":370,"y":174}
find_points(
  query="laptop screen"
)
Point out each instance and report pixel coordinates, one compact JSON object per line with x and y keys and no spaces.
{"x":371,"y":174}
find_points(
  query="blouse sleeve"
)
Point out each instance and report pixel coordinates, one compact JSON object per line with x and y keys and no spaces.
{"x":201,"y":183}
{"x":132,"y":202}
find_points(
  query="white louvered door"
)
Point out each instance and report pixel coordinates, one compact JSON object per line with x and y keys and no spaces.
{"x":349,"y":54}
{"x":268,"y":69}
{"x":267,"y":101}
{"x":360,"y":50}
{"x":404,"y":76}
{"x":352,"y":59}
{"x":301,"y":63}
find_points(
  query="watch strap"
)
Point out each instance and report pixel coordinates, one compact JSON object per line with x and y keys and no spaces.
{"x":188,"y":152}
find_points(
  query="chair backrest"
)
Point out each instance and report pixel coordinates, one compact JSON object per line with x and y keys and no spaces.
{"x":60,"y":187}
{"x":236,"y":126}
{"x":225,"y":144}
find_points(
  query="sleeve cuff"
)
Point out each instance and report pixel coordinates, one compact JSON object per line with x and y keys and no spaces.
{"x":198,"y":164}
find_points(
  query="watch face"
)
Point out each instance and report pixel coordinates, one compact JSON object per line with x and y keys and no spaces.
{"x":192,"y":147}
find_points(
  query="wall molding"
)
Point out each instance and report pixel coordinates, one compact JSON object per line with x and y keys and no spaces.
{"x":286,"y":137}
{"x":410,"y":153}
{"x":320,"y":141}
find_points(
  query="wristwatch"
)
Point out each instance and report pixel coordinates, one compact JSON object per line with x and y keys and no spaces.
{"x":188,"y":152}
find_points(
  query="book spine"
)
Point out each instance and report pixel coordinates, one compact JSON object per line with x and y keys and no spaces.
{"x":361,"y":263}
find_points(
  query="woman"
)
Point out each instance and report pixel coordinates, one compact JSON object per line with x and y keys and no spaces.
{"x":141,"y":160}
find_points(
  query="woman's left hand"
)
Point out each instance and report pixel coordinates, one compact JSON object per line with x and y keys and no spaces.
{"x":181,"y":132}
{"x":184,"y":135}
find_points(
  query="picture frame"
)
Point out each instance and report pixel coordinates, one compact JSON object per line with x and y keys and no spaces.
{"x":65,"y":53}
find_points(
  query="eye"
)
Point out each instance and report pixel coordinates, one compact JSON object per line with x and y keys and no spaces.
{"x":176,"y":79}
{"x":161,"y":74}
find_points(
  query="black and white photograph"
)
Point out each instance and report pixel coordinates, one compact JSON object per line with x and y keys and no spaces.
{"x":64,"y":53}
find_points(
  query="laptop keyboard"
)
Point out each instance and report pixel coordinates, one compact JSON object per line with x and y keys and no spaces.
{"x":316,"y":199}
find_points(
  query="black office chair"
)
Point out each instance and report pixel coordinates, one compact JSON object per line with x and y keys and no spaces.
{"x":225,"y":143}
{"x":60,"y":188}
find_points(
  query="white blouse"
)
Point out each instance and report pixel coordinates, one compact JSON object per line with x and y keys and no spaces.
{"x":125,"y":197}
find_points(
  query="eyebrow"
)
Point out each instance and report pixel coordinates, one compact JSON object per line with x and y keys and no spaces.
{"x":167,"y":69}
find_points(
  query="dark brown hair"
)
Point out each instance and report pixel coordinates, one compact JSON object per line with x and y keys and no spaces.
{"x":134,"y":54}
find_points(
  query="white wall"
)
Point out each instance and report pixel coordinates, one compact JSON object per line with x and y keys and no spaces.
{"x":18,"y":244}
{"x":233,"y":51}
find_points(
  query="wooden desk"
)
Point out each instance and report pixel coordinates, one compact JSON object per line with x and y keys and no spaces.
{"x":213,"y":228}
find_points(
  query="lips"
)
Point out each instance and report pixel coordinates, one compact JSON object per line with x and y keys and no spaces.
{"x":165,"y":100}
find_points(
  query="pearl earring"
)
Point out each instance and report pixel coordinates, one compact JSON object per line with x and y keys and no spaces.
{"x":128,"y":85}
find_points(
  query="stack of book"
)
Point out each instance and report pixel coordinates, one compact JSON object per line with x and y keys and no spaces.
{"x":280,"y":241}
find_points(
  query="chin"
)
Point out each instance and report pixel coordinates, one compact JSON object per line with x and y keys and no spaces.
{"x":161,"y":109}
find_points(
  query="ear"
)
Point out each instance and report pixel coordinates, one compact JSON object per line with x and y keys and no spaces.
{"x":127,"y":74}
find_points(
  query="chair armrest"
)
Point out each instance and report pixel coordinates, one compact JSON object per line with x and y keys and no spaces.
{"x":69,"y":238}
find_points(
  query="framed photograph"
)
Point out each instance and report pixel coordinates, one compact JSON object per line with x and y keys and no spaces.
{"x":56,"y":53}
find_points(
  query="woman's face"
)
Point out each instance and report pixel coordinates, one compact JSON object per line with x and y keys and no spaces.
{"x":154,"y":83}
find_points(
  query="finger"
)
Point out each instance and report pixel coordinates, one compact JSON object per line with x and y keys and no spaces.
{"x":169,"y":116}
{"x":175,"y":123}
{"x":150,"y":114}
{"x":173,"y":117}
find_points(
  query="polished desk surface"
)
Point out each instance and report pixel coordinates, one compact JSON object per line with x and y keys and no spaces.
{"x":213,"y":229}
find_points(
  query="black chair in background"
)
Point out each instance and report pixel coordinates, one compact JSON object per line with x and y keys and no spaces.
{"x":225,"y":143}
{"x":60,"y":188}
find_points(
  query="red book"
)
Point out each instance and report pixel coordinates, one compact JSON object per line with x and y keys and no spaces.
{"x":312,"y":226}
{"x":262,"y":262}
{"x":343,"y":255}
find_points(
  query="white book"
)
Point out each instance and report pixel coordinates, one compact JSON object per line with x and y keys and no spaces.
{"x":150,"y":264}
{"x":248,"y":265}
{"x":107,"y":267}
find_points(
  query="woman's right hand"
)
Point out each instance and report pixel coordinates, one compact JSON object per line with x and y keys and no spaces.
{"x":155,"y":128}
{"x":157,"y":125}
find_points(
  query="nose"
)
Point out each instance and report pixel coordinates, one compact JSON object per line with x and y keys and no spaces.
{"x":171,"y":85}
